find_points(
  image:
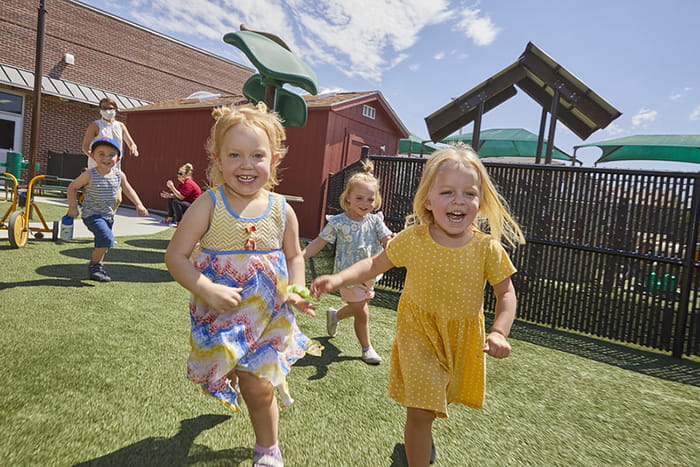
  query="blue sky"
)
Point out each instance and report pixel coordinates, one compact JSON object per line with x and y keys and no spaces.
{"x":639,"y":55}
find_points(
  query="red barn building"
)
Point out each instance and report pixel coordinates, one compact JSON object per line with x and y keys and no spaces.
{"x":172,"y":133}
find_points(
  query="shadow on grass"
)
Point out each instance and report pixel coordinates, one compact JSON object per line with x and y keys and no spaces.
{"x":150,"y":243}
{"x":330,"y":354}
{"x":179,"y":450}
{"x":48,"y":282}
{"x":119,"y":255}
{"x":398,"y":457}
{"x":619,"y":355}
{"x":118,"y":273}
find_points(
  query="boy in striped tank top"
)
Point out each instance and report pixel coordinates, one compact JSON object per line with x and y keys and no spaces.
{"x":101,"y":186}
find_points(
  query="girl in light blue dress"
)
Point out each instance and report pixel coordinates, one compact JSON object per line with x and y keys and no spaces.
{"x":357,"y":233}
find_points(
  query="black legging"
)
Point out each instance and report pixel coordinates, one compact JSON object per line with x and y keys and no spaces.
{"x":176,"y":208}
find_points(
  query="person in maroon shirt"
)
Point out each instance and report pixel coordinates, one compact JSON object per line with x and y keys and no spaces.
{"x":181,"y":196}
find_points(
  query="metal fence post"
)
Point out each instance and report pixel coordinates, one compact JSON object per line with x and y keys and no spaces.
{"x":679,"y":339}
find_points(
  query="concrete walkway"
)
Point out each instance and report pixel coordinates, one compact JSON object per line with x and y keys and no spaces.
{"x":126,"y":222}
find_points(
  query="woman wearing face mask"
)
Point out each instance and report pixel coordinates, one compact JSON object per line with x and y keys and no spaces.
{"x":108,"y":127}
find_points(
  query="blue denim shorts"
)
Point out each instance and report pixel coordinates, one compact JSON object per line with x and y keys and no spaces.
{"x":101,"y":228}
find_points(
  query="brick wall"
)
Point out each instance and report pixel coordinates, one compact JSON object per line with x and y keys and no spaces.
{"x":110,"y":54}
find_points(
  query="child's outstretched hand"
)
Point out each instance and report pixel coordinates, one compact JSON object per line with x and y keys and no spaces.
{"x":222,"y":298}
{"x":323,"y":284}
{"x":141,"y":210}
{"x":301,"y":304}
{"x":497,"y":345}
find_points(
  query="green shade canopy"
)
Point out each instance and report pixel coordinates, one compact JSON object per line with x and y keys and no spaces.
{"x":676,"y":148}
{"x":412,"y":145}
{"x":507,"y":142}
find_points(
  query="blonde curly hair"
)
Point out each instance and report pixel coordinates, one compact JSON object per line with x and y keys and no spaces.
{"x":228,"y":116}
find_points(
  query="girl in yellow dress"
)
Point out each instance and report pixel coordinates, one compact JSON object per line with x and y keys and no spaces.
{"x":451,"y":246}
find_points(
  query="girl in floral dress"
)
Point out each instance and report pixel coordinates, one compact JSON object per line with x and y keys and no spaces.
{"x":237,"y":250}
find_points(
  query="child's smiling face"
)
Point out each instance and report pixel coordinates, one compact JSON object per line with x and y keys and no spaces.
{"x":454,"y":200}
{"x":246,"y":159}
{"x":105,"y":156}
{"x":361,"y":200}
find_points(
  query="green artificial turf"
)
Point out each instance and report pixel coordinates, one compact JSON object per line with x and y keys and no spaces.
{"x":94,"y":373}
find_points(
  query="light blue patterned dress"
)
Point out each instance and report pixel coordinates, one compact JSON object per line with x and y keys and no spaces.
{"x":355,"y":240}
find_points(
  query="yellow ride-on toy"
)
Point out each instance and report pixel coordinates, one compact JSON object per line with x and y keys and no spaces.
{"x":18,"y":221}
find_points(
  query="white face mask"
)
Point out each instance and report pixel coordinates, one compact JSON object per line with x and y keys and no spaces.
{"x":108,"y":114}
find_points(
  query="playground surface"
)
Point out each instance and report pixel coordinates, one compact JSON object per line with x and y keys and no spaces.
{"x":126,"y":222}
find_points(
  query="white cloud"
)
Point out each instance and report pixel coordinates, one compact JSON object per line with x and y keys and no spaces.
{"x":479,"y":29}
{"x":695,"y":114}
{"x":614,"y":129}
{"x":439,"y":56}
{"x":679,"y":95}
{"x":644,"y":117}
{"x":361,"y":38}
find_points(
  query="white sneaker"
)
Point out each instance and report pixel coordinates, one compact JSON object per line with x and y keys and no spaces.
{"x":332,"y":321}
{"x":371,"y":357}
{"x":264,"y":460}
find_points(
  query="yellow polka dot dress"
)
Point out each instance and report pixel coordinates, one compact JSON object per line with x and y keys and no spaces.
{"x":437,"y":356}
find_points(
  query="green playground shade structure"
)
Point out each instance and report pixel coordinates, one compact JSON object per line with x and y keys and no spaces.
{"x":676,"y":148}
{"x":507,"y":142}
{"x":276,"y":66}
{"x":412,"y":145}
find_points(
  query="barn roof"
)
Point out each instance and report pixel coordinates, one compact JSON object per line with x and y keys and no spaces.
{"x":334,"y":100}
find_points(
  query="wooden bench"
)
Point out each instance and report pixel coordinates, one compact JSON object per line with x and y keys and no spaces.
{"x":53,"y":185}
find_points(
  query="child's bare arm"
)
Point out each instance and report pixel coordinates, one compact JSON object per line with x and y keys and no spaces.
{"x":295,"y":262}
{"x":361,"y":271}
{"x":126,"y":136}
{"x":195,"y":222}
{"x":314,"y":247}
{"x":506,"y":302}
{"x":133,"y":196}
{"x":385,"y":240}
{"x":72,"y":192}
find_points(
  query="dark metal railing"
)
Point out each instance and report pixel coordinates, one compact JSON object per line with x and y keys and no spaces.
{"x":611,"y":253}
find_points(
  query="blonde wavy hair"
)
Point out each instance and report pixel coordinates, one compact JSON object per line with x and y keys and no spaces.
{"x":366,"y":177}
{"x":494,"y":215}
{"x":228,"y":116}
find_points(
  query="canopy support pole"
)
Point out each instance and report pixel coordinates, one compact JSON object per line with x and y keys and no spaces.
{"x":36,"y":109}
{"x":477,"y":126}
{"x":687,"y":273}
{"x":540,"y":137}
{"x":552,"y":126}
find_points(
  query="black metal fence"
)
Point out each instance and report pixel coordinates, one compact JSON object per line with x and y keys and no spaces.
{"x":611,"y":253}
